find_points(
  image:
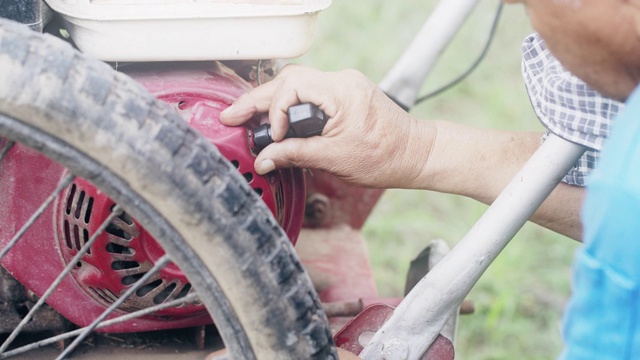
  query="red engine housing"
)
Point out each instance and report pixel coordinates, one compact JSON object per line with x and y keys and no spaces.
{"x":121,"y":255}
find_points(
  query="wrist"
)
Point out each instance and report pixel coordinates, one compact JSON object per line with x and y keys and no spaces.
{"x":419,"y":146}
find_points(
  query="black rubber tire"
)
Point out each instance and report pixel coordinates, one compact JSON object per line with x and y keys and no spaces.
{"x":106,"y":128}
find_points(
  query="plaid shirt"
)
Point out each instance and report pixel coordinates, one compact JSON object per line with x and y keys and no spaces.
{"x":566,"y":106}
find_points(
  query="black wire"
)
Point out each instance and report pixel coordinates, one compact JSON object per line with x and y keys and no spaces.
{"x":473,"y":66}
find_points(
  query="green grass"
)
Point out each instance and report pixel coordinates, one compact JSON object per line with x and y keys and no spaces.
{"x":520,"y":299}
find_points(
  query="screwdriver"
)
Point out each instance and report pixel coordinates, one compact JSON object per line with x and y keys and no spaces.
{"x":305,"y":120}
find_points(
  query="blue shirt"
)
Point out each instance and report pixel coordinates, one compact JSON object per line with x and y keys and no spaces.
{"x":602,"y":320}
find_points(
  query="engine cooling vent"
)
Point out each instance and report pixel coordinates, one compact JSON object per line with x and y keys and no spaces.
{"x":119,"y":257}
{"x":275,"y":186}
{"x":77,"y":216}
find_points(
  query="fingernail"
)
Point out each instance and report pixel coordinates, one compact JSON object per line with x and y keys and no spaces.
{"x":265,"y":166}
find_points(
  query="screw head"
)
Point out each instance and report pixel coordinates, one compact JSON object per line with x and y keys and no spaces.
{"x":317,"y":209}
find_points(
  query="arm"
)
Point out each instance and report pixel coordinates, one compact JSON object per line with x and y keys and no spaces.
{"x":478,"y":163}
{"x":370,"y":141}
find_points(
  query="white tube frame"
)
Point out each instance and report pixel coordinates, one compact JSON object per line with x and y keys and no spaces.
{"x":404,"y":81}
{"x":422,"y":314}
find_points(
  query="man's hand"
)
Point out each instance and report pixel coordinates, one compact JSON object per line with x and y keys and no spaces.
{"x":367,"y":141}
{"x":370,"y":141}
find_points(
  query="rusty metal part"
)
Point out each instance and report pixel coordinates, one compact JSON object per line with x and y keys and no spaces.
{"x":15,"y":302}
{"x":255,"y":72}
{"x":316,"y":210}
{"x":353,"y":308}
{"x":359,"y":331}
{"x":349,"y":204}
{"x":200,"y":335}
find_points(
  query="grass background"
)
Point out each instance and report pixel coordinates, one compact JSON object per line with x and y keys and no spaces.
{"x":520,"y":299}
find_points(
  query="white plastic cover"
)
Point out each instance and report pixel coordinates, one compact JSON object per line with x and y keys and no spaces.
{"x":168,"y":30}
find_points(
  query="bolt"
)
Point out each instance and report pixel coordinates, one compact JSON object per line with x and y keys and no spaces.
{"x":395,"y":349}
{"x":467,"y":307}
{"x":317,"y":209}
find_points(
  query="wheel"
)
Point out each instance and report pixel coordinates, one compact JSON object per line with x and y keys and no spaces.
{"x":104,"y":128}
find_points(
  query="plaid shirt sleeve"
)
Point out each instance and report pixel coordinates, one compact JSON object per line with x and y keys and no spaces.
{"x":566,"y":106}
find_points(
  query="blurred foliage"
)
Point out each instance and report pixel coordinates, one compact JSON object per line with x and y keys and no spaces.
{"x":520,"y":299}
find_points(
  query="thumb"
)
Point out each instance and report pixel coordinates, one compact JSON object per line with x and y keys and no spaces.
{"x":294,"y":152}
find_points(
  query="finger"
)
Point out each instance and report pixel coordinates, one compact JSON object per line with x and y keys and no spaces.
{"x":279,"y":112}
{"x":255,"y":101}
{"x":258,"y":100}
{"x":299,"y":85}
{"x":303,"y":153}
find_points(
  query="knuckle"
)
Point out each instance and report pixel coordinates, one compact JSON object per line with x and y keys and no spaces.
{"x":289,"y":68}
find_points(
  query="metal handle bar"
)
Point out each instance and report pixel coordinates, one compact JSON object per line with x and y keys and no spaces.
{"x":422,"y":314}
{"x":404,"y":81}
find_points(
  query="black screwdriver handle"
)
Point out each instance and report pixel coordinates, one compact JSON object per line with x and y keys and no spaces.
{"x":305,"y":120}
